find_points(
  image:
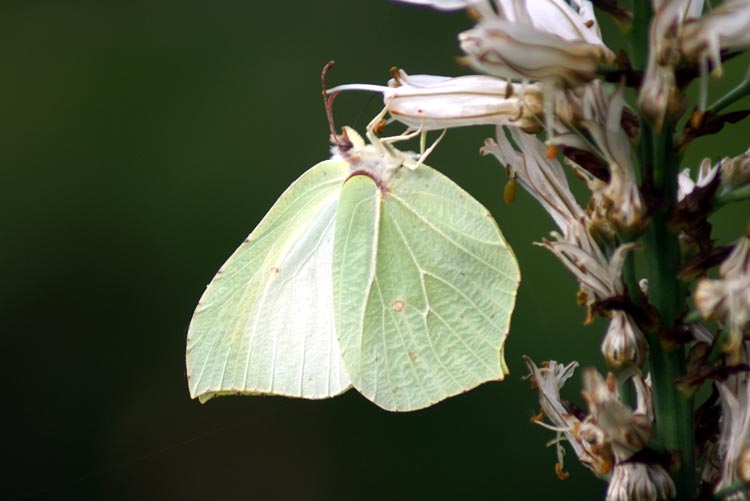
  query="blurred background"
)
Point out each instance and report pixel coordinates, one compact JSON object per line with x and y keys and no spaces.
{"x":140,"y":142}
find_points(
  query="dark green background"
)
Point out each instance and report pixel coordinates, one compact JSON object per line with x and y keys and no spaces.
{"x":139,"y":143}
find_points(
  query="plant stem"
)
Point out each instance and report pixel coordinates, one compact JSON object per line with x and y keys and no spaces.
{"x":673,"y":411}
{"x":639,"y":35}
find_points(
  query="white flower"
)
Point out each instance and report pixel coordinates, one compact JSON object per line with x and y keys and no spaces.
{"x":519,"y":51}
{"x":726,"y":27}
{"x":444,"y":4}
{"x":706,"y":174}
{"x":552,"y":41}
{"x":734,"y":173}
{"x":642,"y":482}
{"x":574,"y":21}
{"x":556,"y":17}
{"x":428,"y":102}
{"x":477,"y":8}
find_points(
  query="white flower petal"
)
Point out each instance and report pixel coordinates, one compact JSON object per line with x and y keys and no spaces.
{"x":443,"y":4}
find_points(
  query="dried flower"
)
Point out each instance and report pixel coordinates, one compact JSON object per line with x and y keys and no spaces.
{"x":610,"y":432}
{"x":734,"y":440}
{"x":549,"y":379}
{"x":626,"y":430}
{"x":599,"y":278}
{"x":543,"y":178}
{"x":728,"y":298}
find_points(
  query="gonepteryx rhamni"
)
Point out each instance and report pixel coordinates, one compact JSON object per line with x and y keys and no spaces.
{"x":364,"y":273}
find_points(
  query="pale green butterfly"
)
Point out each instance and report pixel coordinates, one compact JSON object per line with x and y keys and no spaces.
{"x":371,"y":271}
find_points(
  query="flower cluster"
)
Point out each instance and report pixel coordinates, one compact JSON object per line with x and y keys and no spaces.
{"x":607,"y":438}
{"x":624,"y":344}
{"x":556,"y":95}
{"x":679,"y":35}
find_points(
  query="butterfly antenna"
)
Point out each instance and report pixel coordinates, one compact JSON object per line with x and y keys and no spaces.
{"x":341,"y":140}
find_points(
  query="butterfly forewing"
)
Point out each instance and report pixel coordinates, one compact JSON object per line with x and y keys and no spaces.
{"x":265,"y":323}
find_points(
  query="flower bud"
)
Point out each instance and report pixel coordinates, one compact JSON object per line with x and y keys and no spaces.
{"x":640,"y":481}
{"x":624,"y":344}
{"x":660,"y":97}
